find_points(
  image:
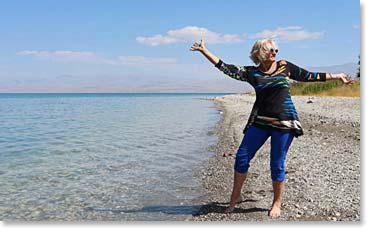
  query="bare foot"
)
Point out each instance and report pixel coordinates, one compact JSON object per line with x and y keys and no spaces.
{"x":229,"y":209}
{"x":231,"y":206}
{"x":275,"y":211}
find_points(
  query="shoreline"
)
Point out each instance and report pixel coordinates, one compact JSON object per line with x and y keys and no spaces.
{"x":319,"y":186}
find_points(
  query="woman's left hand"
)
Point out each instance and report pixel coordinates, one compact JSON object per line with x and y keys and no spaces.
{"x":345,"y":79}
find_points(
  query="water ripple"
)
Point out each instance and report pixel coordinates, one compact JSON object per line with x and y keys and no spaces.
{"x":61,"y":155}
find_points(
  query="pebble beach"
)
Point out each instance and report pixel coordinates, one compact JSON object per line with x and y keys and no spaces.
{"x":322,"y":167}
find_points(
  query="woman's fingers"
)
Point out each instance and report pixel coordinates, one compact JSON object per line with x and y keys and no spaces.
{"x":196,"y":46}
{"x":346,"y":80}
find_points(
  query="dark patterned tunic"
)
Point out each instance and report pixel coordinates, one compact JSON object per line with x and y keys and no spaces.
{"x":273,"y":107}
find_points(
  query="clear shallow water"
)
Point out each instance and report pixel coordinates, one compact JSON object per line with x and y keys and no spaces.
{"x":102,"y":156}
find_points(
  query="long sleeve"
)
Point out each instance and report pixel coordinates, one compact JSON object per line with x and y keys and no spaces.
{"x":233,"y":71}
{"x":299,"y":74}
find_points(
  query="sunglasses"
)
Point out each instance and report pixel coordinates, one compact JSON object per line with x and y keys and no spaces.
{"x":273,"y":50}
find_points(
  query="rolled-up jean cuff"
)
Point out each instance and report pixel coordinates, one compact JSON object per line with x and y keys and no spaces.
{"x":278,"y":176}
{"x":241,"y":169}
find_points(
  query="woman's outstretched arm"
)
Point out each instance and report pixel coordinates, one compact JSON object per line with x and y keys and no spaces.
{"x":201,"y":47}
{"x":236,"y":72}
{"x":300,"y":74}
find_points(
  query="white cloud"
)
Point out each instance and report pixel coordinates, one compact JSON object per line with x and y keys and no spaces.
{"x":71,"y":56}
{"x":357,"y":27}
{"x":141,"y":60}
{"x":91,"y":57}
{"x":190,"y":34}
{"x":288,"y":34}
{"x":156,"y":40}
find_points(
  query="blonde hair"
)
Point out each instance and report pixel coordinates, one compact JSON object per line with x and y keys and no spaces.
{"x":258,"y":52}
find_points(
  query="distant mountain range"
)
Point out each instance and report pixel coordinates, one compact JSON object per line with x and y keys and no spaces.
{"x":349,"y":68}
{"x":223,"y":84}
{"x":214,"y":82}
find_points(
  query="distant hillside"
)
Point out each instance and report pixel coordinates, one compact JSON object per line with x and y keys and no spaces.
{"x":329,"y":88}
{"x":349,"y":68}
{"x":214,"y":81}
{"x":222,"y":83}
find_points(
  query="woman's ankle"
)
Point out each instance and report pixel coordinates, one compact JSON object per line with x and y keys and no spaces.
{"x":277,"y":203}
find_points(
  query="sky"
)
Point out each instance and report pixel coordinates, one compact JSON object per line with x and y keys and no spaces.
{"x":143,"y":46}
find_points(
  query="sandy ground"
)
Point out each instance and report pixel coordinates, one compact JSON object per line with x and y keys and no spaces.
{"x":323,"y":165}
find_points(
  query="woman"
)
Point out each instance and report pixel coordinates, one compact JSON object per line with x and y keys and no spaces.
{"x":273,"y":114}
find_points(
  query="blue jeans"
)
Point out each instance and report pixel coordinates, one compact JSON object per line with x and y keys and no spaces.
{"x":253,"y":139}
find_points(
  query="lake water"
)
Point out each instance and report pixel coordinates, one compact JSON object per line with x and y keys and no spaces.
{"x":111,"y":157}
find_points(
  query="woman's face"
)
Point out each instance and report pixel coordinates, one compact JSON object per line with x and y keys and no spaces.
{"x":271,"y":52}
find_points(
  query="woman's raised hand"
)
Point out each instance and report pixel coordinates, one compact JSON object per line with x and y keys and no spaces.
{"x":198,"y":46}
{"x":201,"y":47}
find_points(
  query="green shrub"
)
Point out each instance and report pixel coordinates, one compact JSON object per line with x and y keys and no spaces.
{"x":305,"y":88}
